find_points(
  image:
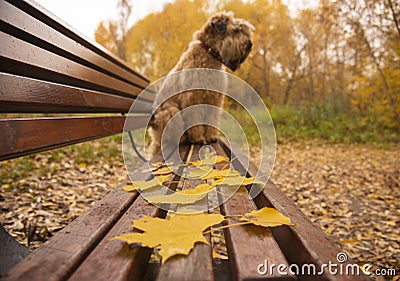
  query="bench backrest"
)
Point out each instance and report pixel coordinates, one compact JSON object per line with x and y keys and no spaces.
{"x":67,"y":81}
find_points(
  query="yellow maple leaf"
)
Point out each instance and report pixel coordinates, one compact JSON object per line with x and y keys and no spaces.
{"x":143,"y":185}
{"x":157,"y":165}
{"x":163,"y":178}
{"x":216,"y":174}
{"x":199,"y":189}
{"x":209,"y":160}
{"x":266,"y":217}
{"x":217,"y":255}
{"x":176,"y":235}
{"x":236,"y":181}
{"x":199,"y":172}
{"x":188,"y":196}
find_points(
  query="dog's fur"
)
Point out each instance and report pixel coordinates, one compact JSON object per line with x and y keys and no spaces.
{"x":222,"y":41}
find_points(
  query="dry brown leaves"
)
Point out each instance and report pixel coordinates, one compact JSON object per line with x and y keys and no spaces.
{"x":352,"y":192}
{"x":35,"y":207}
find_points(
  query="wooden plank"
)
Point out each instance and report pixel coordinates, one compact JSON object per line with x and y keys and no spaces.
{"x":38,"y":12}
{"x":198,"y":265}
{"x":24,"y":136}
{"x":22,"y":58}
{"x":44,"y":36}
{"x":113,"y":259}
{"x":25,"y":95}
{"x":59,"y":256}
{"x":249,"y":245}
{"x":302,"y":244}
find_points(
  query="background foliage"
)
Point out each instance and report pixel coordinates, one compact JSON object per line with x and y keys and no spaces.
{"x":331,"y":72}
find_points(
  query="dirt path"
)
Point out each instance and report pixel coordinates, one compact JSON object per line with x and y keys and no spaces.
{"x":351,"y":192}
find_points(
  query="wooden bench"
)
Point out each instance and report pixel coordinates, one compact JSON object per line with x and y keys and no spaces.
{"x":47,"y":68}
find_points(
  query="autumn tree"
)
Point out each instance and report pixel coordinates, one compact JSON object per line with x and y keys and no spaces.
{"x":104,"y":35}
{"x":113,"y":34}
{"x":272,"y":61}
{"x":374,"y":27}
{"x":156,"y":42}
{"x":321,"y":55}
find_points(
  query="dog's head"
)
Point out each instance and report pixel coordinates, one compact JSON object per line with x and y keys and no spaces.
{"x":228,"y":36}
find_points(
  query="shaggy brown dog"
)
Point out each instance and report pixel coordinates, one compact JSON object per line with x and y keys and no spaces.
{"x":223,"y":41}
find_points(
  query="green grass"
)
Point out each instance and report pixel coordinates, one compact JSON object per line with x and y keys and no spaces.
{"x":327,"y":123}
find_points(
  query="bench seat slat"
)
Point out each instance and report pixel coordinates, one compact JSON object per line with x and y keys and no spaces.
{"x":22,"y":58}
{"x":25,"y":95}
{"x":38,"y":12}
{"x":40,"y":34}
{"x":24,"y":136}
{"x":59,"y":256}
{"x":249,"y":245}
{"x":198,"y":265}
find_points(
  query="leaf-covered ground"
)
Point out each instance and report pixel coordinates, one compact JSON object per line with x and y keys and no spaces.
{"x":40,"y":194}
{"x":351,"y":191}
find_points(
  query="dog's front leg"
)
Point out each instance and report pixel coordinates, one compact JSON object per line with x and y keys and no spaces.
{"x":161,"y":132}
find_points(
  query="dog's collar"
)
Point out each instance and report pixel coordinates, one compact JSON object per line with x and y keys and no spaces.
{"x":212,"y":52}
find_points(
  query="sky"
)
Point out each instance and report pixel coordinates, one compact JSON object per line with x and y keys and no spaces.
{"x":84,"y":15}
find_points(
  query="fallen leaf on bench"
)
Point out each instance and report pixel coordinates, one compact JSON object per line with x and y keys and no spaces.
{"x":266,"y":217}
{"x":199,"y":189}
{"x":163,"y":171}
{"x":158,"y":166}
{"x":217,"y":255}
{"x":210,"y":160}
{"x":176,"y":234}
{"x":199,"y":172}
{"x":143,"y":185}
{"x":163,"y":178}
{"x":216,"y":174}
{"x":236,"y":181}
{"x":188,"y":196}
